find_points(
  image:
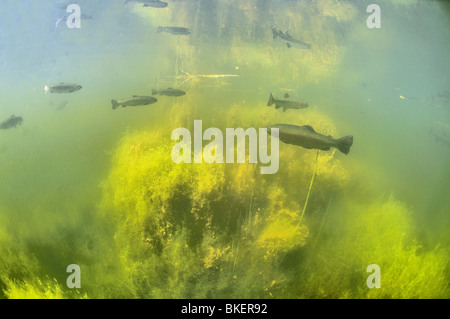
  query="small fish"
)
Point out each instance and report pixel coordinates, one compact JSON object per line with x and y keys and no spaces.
{"x":307,"y":137}
{"x":286,"y":104}
{"x":286,"y":95}
{"x":169,"y":92}
{"x":150,"y":3}
{"x":134,"y":101}
{"x":13,"y":121}
{"x":174,"y":30}
{"x":62,"y":88}
{"x":82,"y":17}
{"x":156,"y":4}
{"x":286,"y":36}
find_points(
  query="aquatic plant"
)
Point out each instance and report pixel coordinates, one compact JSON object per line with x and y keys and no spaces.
{"x":383,"y":234}
{"x":179,"y":227}
{"x":34,"y":290}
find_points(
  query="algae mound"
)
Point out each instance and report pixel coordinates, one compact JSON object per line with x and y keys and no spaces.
{"x":382,"y":233}
{"x":182,"y":227}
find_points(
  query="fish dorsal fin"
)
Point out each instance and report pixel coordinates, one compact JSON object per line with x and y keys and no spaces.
{"x":309,"y":128}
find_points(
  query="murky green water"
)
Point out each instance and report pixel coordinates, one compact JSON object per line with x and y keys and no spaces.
{"x":81,"y":183}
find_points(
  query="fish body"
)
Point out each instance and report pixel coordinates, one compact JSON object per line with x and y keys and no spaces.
{"x":174,"y":30}
{"x":286,"y":36}
{"x":307,"y":137}
{"x":150,"y":3}
{"x":169,"y":92}
{"x":286,"y":104}
{"x":62,"y":88}
{"x":13,"y":121}
{"x":136,"y":100}
{"x":156,"y":4}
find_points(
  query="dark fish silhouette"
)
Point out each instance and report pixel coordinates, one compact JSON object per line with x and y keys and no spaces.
{"x":62,"y":88}
{"x":156,"y":4}
{"x":169,"y":92}
{"x":306,"y":137}
{"x":134,"y":101}
{"x":286,"y":36}
{"x":150,"y":3}
{"x":286,"y":104}
{"x":13,"y":121}
{"x":174,"y":30}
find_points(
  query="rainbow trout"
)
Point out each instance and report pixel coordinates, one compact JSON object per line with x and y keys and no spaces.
{"x":286,"y":104}
{"x":307,"y":137}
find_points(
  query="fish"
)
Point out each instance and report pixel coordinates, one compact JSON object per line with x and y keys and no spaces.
{"x":286,"y":36}
{"x":307,"y":137}
{"x":156,"y":4}
{"x":13,"y":121}
{"x":83,"y":16}
{"x":134,"y":101}
{"x":62,"y":88}
{"x":286,"y":95}
{"x":169,"y":92}
{"x":286,"y":104}
{"x":174,"y":30}
{"x":150,"y":3}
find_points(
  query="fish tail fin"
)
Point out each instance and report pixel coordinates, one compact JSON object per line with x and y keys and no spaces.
{"x":115,"y":104}
{"x":160,"y":29}
{"x":270,"y":102}
{"x":46,"y":89}
{"x":344,"y":143}
{"x":154,"y":92}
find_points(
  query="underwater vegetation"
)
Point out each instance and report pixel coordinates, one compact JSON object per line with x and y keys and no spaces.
{"x":382,"y":233}
{"x":202,"y":230}
{"x":166,"y":230}
{"x":163,"y":230}
{"x":225,"y":231}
